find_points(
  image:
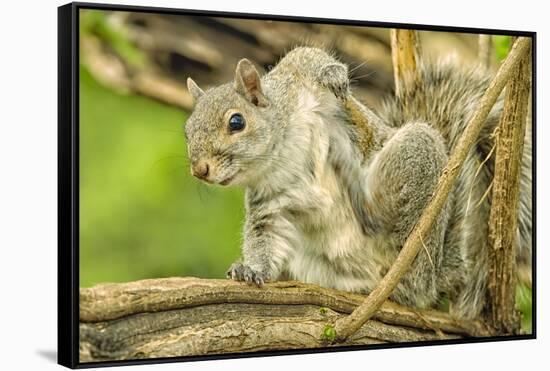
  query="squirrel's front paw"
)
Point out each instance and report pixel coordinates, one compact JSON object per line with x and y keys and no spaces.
{"x":335,"y":77}
{"x":242,"y":272}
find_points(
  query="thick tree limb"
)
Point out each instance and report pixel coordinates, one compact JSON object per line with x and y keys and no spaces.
{"x":503,"y":218}
{"x":191,"y":316}
{"x":348,"y":325}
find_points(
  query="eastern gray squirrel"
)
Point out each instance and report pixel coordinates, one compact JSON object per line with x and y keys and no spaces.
{"x":331,"y":202}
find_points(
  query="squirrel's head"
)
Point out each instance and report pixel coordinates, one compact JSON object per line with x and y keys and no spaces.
{"x":230,"y":130}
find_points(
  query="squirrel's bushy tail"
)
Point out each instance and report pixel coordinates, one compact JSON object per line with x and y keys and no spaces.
{"x":446,"y":100}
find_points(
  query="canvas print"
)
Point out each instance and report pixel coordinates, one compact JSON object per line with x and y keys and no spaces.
{"x":256,"y":185}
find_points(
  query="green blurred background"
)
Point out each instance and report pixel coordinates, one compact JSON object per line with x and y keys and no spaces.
{"x":142,"y":214}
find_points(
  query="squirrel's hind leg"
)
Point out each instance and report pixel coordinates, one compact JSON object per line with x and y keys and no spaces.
{"x":401,"y":179}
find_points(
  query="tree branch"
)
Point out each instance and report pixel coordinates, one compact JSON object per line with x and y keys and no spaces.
{"x":405,"y":47}
{"x":503,"y":218}
{"x":190,"y":316}
{"x":348,"y":325}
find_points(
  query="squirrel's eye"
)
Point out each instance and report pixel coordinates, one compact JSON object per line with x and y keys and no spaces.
{"x":236,"y":122}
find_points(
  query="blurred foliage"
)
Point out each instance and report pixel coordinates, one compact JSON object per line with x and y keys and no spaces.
{"x":502,"y":46}
{"x":96,"y":23}
{"x":141,"y":213}
{"x":524,"y":303}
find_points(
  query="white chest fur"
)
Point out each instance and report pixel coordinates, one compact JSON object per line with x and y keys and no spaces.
{"x":330,"y":248}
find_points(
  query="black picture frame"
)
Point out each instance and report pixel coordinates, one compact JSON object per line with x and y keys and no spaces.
{"x":68,"y":178}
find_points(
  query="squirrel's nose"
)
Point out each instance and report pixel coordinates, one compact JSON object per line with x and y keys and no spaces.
{"x":200,"y":169}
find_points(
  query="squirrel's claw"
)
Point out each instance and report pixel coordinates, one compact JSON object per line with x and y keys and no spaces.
{"x":335,"y":77}
{"x":259,"y":281}
{"x":242,"y":272}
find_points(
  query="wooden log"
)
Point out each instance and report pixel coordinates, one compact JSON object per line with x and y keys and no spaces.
{"x":191,"y":316}
{"x":503,"y":218}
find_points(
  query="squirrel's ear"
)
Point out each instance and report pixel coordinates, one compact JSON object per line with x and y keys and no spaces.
{"x":194,"y":89}
{"x":247,"y":83}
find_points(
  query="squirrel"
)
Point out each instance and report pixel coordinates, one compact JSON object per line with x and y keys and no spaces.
{"x":333,"y":189}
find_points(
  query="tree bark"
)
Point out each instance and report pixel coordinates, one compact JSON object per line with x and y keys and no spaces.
{"x":190,"y":316}
{"x":348,"y":325}
{"x":503,"y":218}
{"x":405,"y":47}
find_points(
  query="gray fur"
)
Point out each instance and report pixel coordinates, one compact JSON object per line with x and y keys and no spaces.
{"x":322,"y":209}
